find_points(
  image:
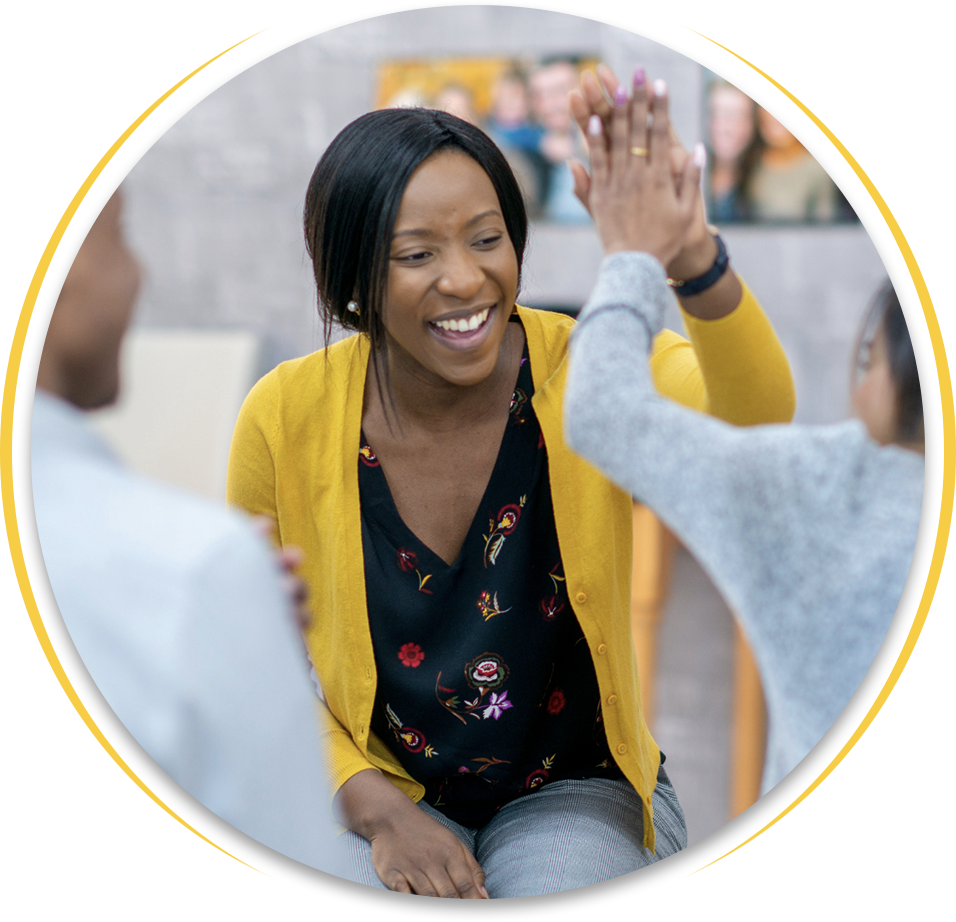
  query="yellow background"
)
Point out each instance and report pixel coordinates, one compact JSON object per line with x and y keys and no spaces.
{"x":83,"y":837}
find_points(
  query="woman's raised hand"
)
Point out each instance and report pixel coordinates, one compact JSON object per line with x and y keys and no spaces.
{"x":699,"y":250}
{"x":593,"y":99}
{"x":635,"y":199}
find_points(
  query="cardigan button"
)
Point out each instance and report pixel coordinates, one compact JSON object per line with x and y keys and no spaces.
{"x":581,"y":597}
{"x":602,"y":648}
{"x":621,"y":748}
{"x":612,"y":699}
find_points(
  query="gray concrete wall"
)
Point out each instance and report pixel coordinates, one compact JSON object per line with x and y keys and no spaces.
{"x":214,"y":209}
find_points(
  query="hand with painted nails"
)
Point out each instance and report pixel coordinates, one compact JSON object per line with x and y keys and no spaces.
{"x":636,"y":201}
{"x":595,"y":98}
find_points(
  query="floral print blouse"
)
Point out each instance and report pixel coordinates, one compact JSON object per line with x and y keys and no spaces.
{"x":486,"y":688}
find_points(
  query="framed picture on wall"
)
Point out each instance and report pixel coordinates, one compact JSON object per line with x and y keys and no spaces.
{"x":521,"y":103}
{"x":757,"y":170}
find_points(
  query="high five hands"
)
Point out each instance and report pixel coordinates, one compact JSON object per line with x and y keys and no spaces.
{"x":644,"y":191}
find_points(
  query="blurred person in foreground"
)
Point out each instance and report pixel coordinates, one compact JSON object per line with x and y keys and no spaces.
{"x":808,"y":531}
{"x":176,"y":607}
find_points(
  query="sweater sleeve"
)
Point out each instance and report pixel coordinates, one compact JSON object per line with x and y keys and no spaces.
{"x":345,"y":759}
{"x":730,"y":494}
{"x":733,"y":368}
{"x":251,"y":477}
{"x":251,"y":485}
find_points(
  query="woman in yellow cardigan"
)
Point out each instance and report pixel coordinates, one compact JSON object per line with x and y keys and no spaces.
{"x":470,"y":576}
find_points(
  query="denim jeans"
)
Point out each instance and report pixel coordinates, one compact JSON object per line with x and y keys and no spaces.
{"x":567,"y":834}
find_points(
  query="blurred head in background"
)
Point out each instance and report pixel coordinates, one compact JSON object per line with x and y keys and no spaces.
{"x":550,"y":84}
{"x":80,"y":360}
{"x":456,"y":100}
{"x":732,"y":122}
{"x":775,"y":134}
{"x":510,"y":106}
{"x":886,"y":394}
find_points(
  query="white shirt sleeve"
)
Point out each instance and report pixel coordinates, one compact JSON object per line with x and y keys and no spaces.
{"x":248,"y":744}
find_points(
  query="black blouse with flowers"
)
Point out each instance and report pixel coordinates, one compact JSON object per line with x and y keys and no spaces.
{"x":486,"y":688}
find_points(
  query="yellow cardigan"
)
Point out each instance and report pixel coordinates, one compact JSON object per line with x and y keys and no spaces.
{"x":294,"y":458}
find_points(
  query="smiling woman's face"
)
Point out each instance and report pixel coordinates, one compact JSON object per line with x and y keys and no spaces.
{"x":453,"y":273}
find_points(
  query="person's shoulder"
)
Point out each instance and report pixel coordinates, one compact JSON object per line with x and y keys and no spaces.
{"x":309,"y":376}
{"x":111,"y":537}
{"x":312,"y":370}
{"x":841,"y":465}
{"x":551,"y":326}
{"x":156,"y":520}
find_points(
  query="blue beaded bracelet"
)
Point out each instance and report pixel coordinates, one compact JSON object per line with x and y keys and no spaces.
{"x":710,"y":277}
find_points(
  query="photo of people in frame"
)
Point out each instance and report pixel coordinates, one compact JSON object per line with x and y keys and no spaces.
{"x":521,"y":103}
{"x":758,"y":170}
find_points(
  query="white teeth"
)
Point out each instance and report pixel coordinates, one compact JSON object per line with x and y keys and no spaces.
{"x":465,"y":325}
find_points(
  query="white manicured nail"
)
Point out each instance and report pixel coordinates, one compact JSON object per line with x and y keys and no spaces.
{"x":594,"y":125}
{"x":700,"y":155}
{"x":660,"y":88}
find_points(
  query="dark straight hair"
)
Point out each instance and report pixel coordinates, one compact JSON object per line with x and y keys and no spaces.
{"x":352,"y":203}
{"x":886,"y":314}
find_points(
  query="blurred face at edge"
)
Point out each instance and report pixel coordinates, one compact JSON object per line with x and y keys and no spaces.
{"x":873,"y":398}
{"x":731,"y":123}
{"x":80,"y":360}
{"x":550,"y":86}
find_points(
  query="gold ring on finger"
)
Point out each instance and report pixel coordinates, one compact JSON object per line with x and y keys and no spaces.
{"x":639,"y":151}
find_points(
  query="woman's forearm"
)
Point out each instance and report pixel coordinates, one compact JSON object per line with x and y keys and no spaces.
{"x":368,"y":803}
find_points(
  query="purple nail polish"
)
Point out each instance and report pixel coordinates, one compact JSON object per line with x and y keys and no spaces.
{"x":639,"y":76}
{"x":620,"y":95}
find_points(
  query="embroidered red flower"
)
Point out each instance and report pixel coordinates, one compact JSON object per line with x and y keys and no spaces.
{"x":508,"y":518}
{"x":556,"y":702}
{"x":411,"y":739}
{"x":407,"y":560}
{"x":536,"y":779}
{"x":551,"y":607}
{"x":486,"y":671}
{"x":367,"y":456}
{"x":411,"y":654}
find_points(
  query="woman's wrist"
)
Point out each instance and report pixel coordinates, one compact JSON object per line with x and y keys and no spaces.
{"x":694,"y":259}
{"x":719,"y":300}
{"x":368,"y":803}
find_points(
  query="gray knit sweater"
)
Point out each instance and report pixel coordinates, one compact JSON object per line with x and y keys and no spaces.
{"x":808,"y":531}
